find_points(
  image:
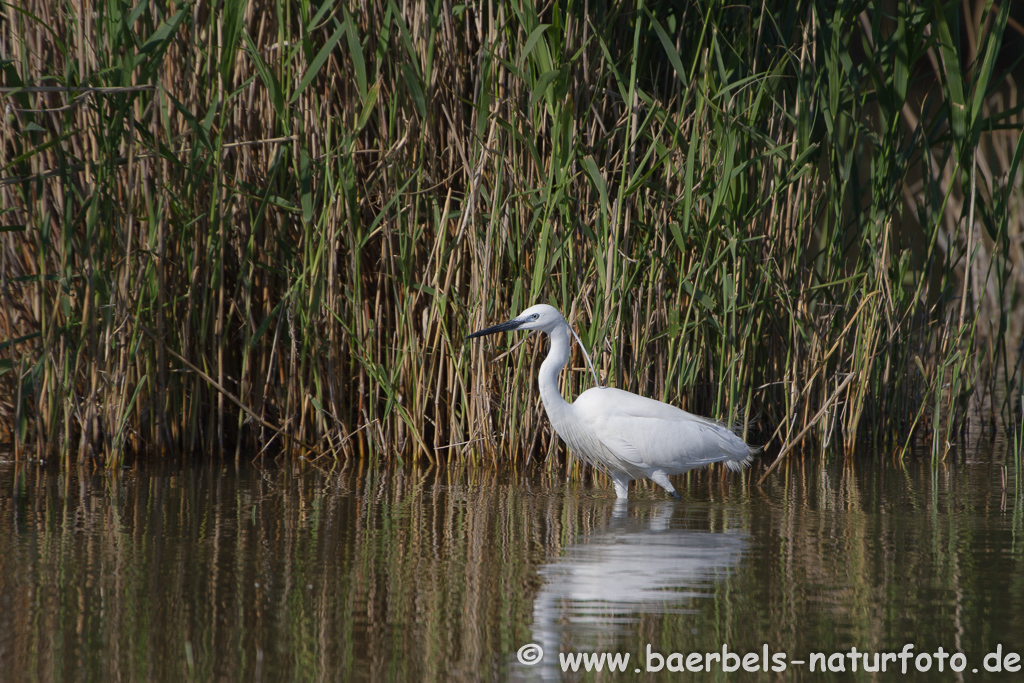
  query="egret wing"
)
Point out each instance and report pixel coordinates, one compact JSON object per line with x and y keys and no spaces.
{"x":649,"y":434}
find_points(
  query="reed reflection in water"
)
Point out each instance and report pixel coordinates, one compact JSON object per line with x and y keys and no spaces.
{"x":200,"y":572}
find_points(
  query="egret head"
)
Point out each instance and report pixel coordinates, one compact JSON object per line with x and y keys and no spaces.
{"x":539,"y":317}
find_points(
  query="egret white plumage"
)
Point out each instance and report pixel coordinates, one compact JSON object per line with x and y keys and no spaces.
{"x":625,"y":435}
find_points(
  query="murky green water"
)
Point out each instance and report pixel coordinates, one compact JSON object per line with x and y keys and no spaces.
{"x":208,"y":573}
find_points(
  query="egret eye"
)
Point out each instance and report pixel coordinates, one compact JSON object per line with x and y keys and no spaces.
{"x":534,"y":316}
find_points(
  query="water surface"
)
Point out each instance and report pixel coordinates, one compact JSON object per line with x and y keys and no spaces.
{"x":210,"y":573}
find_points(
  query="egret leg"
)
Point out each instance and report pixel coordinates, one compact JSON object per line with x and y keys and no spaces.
{"x":621,"y":486}
{"x":661,"y":479}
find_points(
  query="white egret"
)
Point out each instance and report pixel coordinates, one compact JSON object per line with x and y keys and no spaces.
{"x":625,"y":435}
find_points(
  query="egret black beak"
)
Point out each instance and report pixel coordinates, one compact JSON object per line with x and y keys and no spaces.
{"x":512,"y":324}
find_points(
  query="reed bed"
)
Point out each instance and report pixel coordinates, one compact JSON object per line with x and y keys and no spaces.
{"x":249,"y":227}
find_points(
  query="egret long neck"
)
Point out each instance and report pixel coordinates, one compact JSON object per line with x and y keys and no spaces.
{"x":547,"y":380}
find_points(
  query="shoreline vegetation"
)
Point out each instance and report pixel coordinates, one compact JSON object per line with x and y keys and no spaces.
{"x":221,"y":220}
